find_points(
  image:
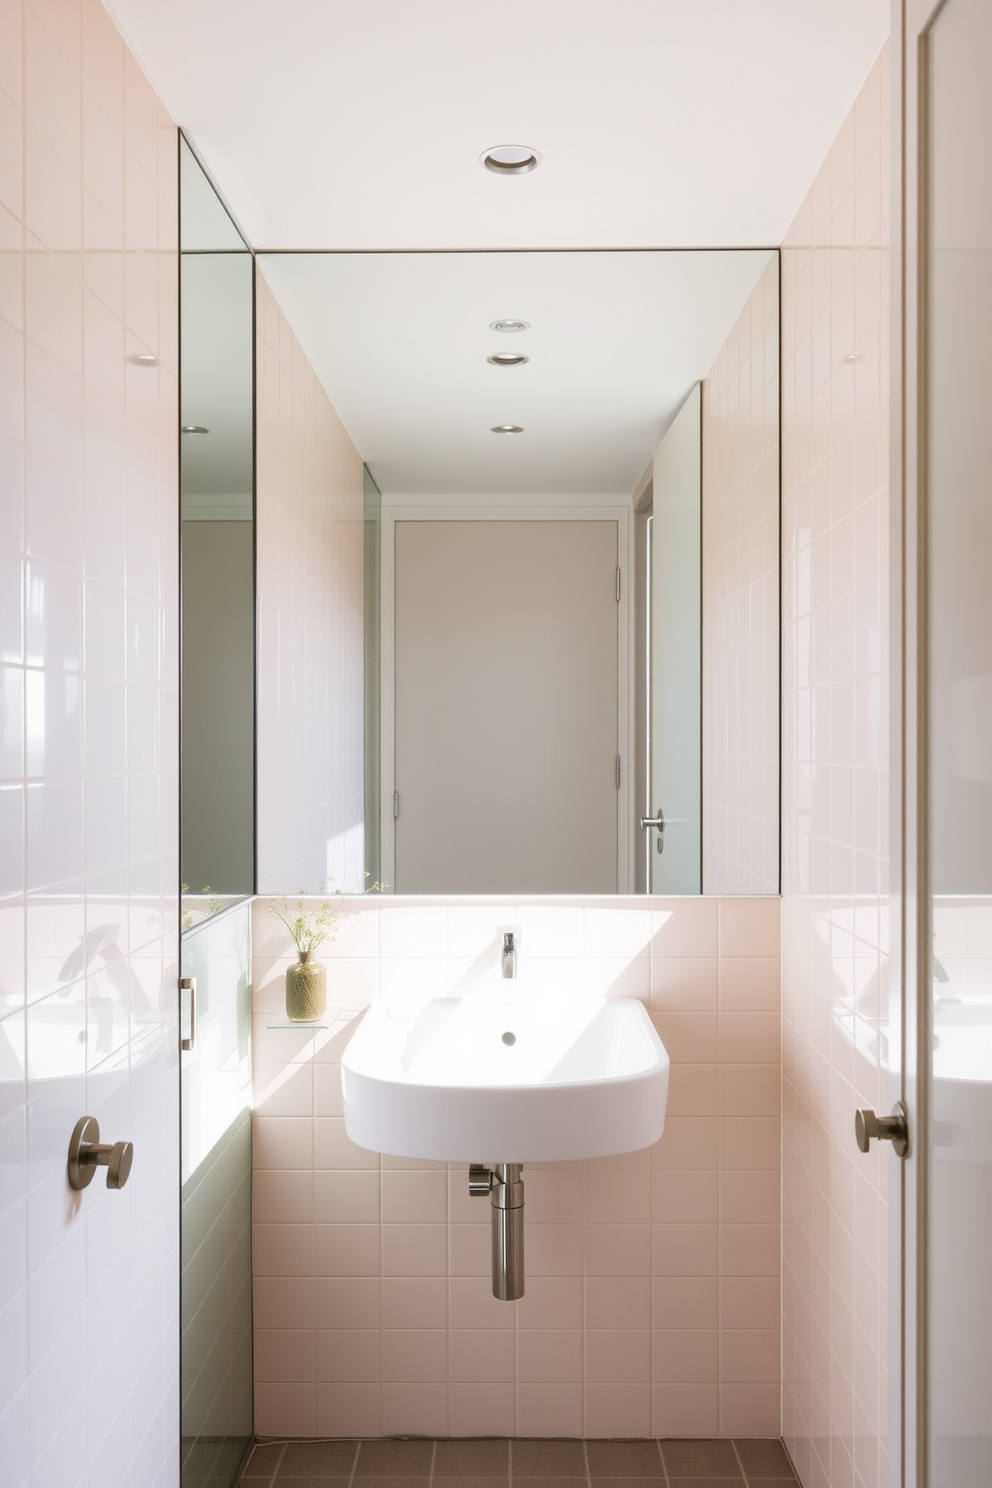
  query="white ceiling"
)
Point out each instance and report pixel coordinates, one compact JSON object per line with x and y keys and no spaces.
{"x":400,"y":341}
{"x":358,"y":124}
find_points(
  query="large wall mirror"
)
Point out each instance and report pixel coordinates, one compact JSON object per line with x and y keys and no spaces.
{"x":516,"y":539}
{"x":578,"y":461}
{"x":217,"y":480}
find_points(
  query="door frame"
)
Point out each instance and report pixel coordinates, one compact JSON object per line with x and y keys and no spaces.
{"x":602,"y":512}
{"x":909,"y":990}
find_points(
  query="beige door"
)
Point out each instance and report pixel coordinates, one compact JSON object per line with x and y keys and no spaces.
{"x":506,"y":707}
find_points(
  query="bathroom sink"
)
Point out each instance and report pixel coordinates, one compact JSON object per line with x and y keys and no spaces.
{"x":505,"y":1076}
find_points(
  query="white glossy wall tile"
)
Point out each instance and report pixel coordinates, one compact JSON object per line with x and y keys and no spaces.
{"x":309,"y":578}
{"x":652,"y":1300}
{"x":835,"y":348}
{"x":88,"y":767}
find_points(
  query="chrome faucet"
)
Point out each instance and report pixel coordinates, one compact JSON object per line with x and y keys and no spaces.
{"x":508,"y":952}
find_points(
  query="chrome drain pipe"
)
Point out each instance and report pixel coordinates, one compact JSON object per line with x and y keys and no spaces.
{"x":505,"y":1188}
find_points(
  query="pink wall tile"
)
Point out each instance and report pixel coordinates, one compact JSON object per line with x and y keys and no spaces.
{"x":740,"y":576}
{"x":284,"y":1302}
{"x":415,"y":1410}
{"x":310,"y":776}
{"x":548,"y":1410}
{"x":617,"y":1410}
{"x":684,"y":1410}
{"x":623,"y":1255}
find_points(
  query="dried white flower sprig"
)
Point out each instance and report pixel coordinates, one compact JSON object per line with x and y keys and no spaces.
{"x":311,"y":927}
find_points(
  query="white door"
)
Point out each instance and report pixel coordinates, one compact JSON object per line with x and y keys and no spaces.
{"x":506,"y":707}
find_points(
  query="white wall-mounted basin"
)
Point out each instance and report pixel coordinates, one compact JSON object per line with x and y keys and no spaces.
{"x":505,"y":1075}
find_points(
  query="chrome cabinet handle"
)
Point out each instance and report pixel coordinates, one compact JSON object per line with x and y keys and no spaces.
{"x":87,"y":1153}
{"x":894,"y":1129}
{"x":188,"y":984}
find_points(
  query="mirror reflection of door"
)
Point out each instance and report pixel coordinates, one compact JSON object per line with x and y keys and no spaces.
{"x":674,"y":661}
{"x":506,"y":707}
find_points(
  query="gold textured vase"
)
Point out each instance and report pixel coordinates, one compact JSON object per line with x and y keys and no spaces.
{"x":306,"y":989}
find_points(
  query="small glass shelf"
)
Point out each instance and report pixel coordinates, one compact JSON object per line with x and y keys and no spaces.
{"x":299,"y":1024}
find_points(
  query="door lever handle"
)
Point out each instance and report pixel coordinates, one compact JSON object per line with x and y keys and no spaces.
{"x":659,"y":822}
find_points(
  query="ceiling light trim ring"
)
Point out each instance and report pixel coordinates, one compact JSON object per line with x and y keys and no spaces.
{"x":510,"y":160}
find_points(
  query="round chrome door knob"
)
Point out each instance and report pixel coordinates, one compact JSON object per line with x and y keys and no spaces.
{"x":87,"y":1153}
{"x":894,"y":1129}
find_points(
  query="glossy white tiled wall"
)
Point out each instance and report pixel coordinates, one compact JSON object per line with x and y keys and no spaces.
{"x":309,"y":583}
{"x":652,"y":1298}
{"x":740,"y":603}
{"x":88,"y":752}
{"x":835,"y":831}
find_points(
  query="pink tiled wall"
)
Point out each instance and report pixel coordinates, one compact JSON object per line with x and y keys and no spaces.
{"x":652,"y":1298}
{"x":309,"y":584}
{"x":740,"y":603}
{"x":835,"y":660}
{"x":89,"y":1323}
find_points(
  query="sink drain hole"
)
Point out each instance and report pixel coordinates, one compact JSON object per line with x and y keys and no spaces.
{"x":509,"y":1038}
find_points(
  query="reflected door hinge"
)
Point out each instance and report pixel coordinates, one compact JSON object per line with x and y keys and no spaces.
{"x":618,"y":772}
{"x":618,"y":586}
{"x":396,"y":804}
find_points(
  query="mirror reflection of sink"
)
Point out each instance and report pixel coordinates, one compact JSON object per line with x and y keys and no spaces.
{"x":505,"y":1075}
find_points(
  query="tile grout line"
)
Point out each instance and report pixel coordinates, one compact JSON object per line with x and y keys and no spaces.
{"x":661,"y":1458}
{"x":740,"y":1464}
{"x":354,"y":1464}
{"x":585,"y":1458}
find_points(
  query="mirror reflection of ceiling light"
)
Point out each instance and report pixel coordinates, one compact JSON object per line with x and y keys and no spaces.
{"x":143,"y":359}
{"x":507,"y":359}
{"x":507,"y":429}
{"x":509,"y":325}
{"x":193,"y":429}
{"x":510,"y":160}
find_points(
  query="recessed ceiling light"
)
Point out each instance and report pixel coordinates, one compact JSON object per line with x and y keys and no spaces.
{"x":143,"y":359}
{"x":507,"y":359}
{"x":193,"y":429}
{"x":510,"y":160}
{"x":509,"y":325}
{"x":507,"y":429}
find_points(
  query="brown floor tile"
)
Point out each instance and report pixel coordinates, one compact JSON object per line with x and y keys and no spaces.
{"x":395,"y":1459}
{"x":310,"y":1482}
{"x":391,"y":1482}
{"x":465,"y":1480}
{"x":262,"y":1463}
{"x":547,"y":1459}
{"x":764,"y":1459}
{"x":318,"y":1459}
{"x":702,"y":1482}
{"x":639,"y":1482}
{"x":624,"y":1459}
{"x":470,"y":1458}
{"x":789,"y":1482}
{"x":540,"y":1480}
{"x":701,"y":1459}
